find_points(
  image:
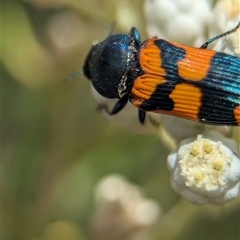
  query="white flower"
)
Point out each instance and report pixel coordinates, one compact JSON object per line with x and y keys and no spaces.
{"x":184,"y":21}
{"x":120,"y":205}
{"x":206,"y":171}
{"x":116,"y":189}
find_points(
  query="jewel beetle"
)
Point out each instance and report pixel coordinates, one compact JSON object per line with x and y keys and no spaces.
{"x":166,"y":77}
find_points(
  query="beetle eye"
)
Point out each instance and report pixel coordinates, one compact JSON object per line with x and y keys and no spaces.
{"x":88,"y":65}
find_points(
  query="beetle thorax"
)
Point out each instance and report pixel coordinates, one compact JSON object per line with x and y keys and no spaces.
{"x":126,"y":78}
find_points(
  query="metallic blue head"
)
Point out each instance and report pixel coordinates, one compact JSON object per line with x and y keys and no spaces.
{"x":112,"y":64}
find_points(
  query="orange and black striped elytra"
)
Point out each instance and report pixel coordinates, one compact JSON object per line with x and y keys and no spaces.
{"x":167,"y":78}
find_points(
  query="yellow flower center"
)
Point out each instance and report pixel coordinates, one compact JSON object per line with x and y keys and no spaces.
{"x":203,"y":164}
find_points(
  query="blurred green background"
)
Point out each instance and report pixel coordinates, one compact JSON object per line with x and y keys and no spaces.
{"x":56,"y":147}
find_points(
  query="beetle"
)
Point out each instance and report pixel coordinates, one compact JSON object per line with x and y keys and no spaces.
{"x":166,"y":77}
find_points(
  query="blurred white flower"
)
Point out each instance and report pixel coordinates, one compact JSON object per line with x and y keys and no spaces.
{"x":65,"y":31}
{"x":206,"y":170}
{"x":121,"y":210}
{"x":192,"y":24}
{"x":184,"y":21}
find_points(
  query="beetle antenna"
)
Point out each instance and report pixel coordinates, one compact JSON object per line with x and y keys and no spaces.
{"x":205,"y":45}
{"x":74,"y":75}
